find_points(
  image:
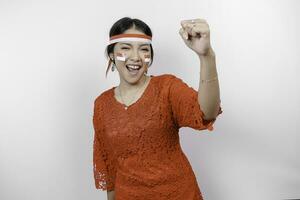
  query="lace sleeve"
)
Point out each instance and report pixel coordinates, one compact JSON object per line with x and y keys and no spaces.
{"x":103,"y":165}
{"x":185,"y":107}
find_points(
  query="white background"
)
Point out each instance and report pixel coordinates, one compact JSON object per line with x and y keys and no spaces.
{"x":53,"y":67}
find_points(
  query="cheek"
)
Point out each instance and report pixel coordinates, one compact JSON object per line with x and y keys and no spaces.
{"x":147,"y":58}
{"x":122,"y":57}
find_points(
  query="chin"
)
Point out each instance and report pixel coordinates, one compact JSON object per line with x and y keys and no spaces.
{"x":134,"y":78}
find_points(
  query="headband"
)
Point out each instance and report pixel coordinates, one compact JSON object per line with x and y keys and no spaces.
{"x":130,"y":37}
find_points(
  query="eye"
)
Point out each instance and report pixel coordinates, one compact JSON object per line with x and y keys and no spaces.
{"x":124,"y":48}
{"x":145,"y":49}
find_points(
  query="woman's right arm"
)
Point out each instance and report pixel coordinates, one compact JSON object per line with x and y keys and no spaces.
{"x":103,"y":163}
{"x":110,"y":195}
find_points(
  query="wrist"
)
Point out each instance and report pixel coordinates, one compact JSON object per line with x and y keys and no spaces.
{"x":209,"y":54}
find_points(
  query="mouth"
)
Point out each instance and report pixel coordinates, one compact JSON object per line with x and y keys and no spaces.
{"x":133,"y":69}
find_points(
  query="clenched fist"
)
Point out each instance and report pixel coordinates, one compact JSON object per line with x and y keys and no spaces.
{"x":196,"y":35}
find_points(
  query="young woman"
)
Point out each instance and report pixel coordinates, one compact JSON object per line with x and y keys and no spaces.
{"x":137,"y":154}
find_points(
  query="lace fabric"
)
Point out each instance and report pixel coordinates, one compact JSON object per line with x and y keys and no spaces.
{"x":137,"y":152}
{"x":185,"y":106}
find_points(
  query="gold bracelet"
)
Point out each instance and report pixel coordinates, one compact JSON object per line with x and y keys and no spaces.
{"x":209,"y":80}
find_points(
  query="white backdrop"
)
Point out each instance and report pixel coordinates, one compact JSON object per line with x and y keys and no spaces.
{"x":53,"y":67}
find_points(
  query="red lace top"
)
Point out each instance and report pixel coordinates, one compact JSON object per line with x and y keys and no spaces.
{"x":137,"y":151}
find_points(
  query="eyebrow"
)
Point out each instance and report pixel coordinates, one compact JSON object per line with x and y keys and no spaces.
{"x":131,"y":45}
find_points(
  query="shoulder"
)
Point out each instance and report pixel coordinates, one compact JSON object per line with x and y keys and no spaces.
{"x":166,"y":76}
{"x":102,"y":98}
{"x":167,"y":79}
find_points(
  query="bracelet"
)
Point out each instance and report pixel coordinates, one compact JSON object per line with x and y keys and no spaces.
{"x":209,"y":80}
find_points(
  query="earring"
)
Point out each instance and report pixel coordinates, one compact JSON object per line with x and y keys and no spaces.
{"x":113,"y":66}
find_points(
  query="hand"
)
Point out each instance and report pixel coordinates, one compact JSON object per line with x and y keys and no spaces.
{"x":196,"y":35}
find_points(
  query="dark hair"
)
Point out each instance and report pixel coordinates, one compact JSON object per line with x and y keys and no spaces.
{"x":120,"y":27}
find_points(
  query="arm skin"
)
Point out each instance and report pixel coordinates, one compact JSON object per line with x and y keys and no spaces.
{"x":110,"y":195}
{"x":208,"y":93}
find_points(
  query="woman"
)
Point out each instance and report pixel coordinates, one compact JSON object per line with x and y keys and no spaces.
{"x":137,"y":154}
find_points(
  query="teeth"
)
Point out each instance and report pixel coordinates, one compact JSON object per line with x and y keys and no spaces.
{"x":133,"y":66}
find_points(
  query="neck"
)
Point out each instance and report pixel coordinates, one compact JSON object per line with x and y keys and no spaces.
{"x":128,"y":87}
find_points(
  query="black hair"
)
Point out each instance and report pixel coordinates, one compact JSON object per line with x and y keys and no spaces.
{"x":120,"y":27}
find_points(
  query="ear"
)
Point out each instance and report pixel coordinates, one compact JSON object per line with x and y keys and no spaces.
{"x":111,"y":56}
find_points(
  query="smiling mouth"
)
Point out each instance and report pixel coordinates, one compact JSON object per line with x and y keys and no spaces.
{"x":133,"y":69}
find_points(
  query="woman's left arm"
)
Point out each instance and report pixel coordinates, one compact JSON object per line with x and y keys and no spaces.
{"x":209,"y":91}
{"x":196,"y":35}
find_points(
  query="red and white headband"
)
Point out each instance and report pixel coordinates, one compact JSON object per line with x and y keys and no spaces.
{"x":130,"y":37}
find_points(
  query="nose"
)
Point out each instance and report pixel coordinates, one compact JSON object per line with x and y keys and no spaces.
{"x":134,"y":57}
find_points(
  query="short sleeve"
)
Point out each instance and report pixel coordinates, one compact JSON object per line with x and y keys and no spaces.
{"x":185,"y":107}
{"x":103,"y":163}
